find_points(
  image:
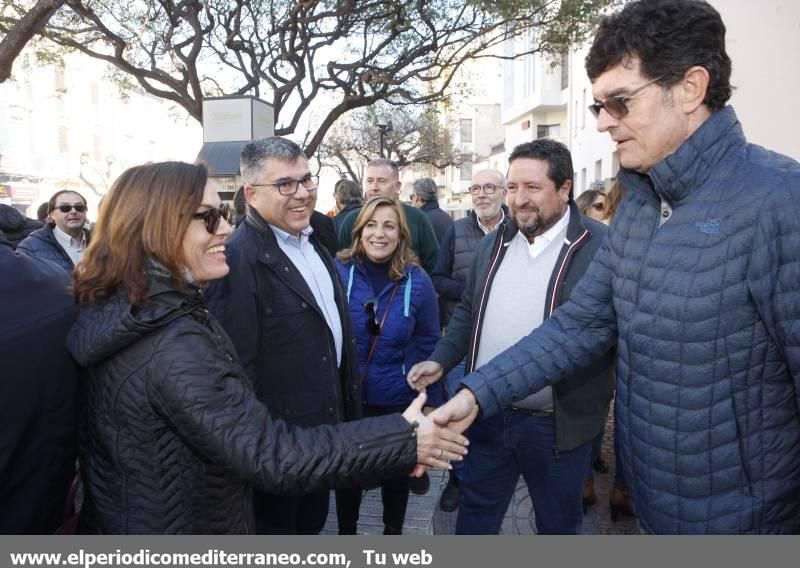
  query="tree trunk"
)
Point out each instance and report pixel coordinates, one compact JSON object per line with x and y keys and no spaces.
{"x":21,"y":33}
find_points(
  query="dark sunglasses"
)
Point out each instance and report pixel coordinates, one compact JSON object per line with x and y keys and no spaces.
{"x":598,"y":206}
{"x":373,"y":327}
{"x":617,"y":107}
{"x":211,"y":217}
{"x":67,"y":207}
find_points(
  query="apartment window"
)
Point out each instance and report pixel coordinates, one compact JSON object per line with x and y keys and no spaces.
{"x":63,"y":139}
{"x":583,"y":179}
{"x":529,"y":65}
{"x":548,"y":131}
{"x":466,"y":167}
{"x":60,"y":81}
{"x":598,"y":170}
{"x":466,"y":130}
{"x":583,"y":109}
{"x":564,"y":70}
{"x":575,"y":120}
{"x":508,"y":71}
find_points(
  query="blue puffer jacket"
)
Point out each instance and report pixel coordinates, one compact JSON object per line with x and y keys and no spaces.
{"x":408,"y":336}
{"x":43,"y":244}
{"x":706,"y":308}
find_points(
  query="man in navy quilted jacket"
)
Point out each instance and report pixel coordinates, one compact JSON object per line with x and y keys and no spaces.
{"x":698,"y":283}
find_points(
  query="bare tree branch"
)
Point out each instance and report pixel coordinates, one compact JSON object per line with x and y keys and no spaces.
{"x":313,"y":60}
{"x":22,"y":31}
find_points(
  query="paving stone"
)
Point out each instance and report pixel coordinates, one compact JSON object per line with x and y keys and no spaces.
{"x":424,"y":517}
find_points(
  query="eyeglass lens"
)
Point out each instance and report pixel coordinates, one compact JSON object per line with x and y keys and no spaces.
{"x":66,"y":208}
{"x":488,"y":188}
{"x":212,"y":216}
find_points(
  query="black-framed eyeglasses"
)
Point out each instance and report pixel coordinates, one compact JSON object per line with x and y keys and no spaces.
{"x":488,"y":189}
{"x":211,"y":217}
{"x":67,"y":207}
{"x":373,"y":326}
{"x":290,"y":186}
{"x":617,"y":107}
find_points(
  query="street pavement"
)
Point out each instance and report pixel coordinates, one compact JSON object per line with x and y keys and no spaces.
{"x":424,"y":517}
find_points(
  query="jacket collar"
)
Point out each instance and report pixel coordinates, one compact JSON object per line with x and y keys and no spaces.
{"x":690,"y":166}
{"x":430,"y":205}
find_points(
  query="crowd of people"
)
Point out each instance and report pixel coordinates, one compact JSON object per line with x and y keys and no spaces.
{"x":205,"y":372}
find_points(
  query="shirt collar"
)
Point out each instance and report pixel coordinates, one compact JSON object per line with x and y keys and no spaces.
{"x":289,"y":238}
{"x":66,"y":240}
{"x":486,"y":230}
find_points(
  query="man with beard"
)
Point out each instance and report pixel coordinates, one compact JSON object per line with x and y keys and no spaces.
{"x":517,"y":279}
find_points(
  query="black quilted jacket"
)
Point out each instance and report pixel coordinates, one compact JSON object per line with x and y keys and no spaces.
{"x":173,"y":438}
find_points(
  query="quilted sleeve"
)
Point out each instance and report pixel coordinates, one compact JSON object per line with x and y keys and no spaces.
{"x":774,"y":271}
{"x":195,"y":388}
{"x":581,"y":330}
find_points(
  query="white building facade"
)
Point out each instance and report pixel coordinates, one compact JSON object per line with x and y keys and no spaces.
{"x":69,"y":128}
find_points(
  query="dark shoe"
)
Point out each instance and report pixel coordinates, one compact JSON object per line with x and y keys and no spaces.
{"x":420,"y":485}
{"x":600,"y":466}
{"x":451,"y":494}
{"x":619,"y":502}
{"x":589,"y":497}
{"x":391,"y":530}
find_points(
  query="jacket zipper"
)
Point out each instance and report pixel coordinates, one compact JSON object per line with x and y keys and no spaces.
{"x":473,"y":354}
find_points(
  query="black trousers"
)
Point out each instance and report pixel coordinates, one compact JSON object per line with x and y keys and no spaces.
{"x":394,"y":493}
{"x":282,"y":514}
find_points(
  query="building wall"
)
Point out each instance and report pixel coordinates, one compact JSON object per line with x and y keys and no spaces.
{"x":69,"y":128}
{"x":762,"y":40}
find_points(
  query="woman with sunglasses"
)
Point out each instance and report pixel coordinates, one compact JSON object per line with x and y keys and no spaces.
{"x":172,"y":436}
{"x":591,"y":203}
{"x":396,"y":317}
{"x":63,"y":239}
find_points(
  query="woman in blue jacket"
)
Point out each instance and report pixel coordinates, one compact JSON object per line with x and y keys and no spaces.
{"x":396,"y":317}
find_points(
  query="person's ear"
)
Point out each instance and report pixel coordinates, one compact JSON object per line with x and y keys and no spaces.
{"x":693,"y":88}
{"x":564,"y":190}
{"x":249,"y":194}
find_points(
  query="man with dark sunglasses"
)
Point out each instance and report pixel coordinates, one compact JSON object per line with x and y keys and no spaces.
{"x":284,"y":308}
{"x":698,"y":283}
{"x":63,"y":238}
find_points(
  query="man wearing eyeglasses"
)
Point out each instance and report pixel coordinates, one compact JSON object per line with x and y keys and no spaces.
{"x":284,"y":308}
{"x":698,"y":282}
{"x":519,"y":275}
{"x":382,"y":179}
{"x":63,"y":238}
{"x":456,"y":251}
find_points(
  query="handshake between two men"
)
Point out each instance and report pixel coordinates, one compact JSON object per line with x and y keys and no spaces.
{"x":443,"y":426}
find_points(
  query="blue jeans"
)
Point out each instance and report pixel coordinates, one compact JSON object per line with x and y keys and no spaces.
{"x":506,"y":445}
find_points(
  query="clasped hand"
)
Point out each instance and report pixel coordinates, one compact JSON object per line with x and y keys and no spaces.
{"x":439,"y":439}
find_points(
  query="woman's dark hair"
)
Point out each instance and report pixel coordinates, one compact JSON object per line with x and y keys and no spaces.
{"x":145,"y":214}
{"x":403,"y":254}
{"x":613,"y":199}
{"x":668,"y":37}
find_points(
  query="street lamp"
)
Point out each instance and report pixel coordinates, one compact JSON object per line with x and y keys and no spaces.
{"x":383,"y":128}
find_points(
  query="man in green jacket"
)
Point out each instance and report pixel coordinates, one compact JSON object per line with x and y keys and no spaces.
{"x":383,"y":180}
